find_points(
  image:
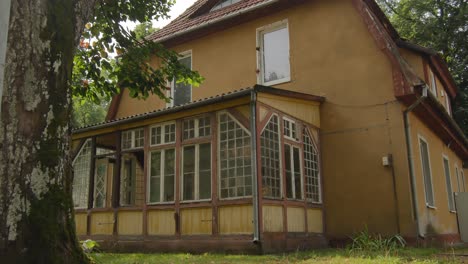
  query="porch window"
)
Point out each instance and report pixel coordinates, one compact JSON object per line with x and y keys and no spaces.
{"x":132,"y":139}
{"x":196,"y":180}
{"x":234,"y":158}
{"x":163,"y":134}
{"x":181,"y":93}
{"x":292,"y":165}
{"x":427,"y":174}
{"x":162,"y":172}
{"x":270,"y":152}
{"x":274,"y":54}
{"x":448,"y":181}
{"x":311,"y":169}
{"x":100,"y":183}
{"x":82,"y":167}
{"x":131,"y":179}
{"x":290,"y":129}
{"x":196,"y":127}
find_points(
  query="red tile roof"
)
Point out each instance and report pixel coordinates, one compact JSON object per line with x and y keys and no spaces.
{"x":199,"y":14}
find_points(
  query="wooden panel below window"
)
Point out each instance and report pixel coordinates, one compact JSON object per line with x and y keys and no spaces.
{"x":81,"y":222}
{"x":272,"y":218}
{"x":296,"y":219}
{"x":236,"y":220}
{"x":315,"y":220}
{"x":196,"y":221}
{"x":161,"y":223}
{"x":102,"y":223}
{"x":130,"y":223}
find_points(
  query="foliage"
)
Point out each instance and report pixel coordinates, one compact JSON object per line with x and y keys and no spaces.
{"x":328,"y":256}
{"x":443,"y":26}
{"x":87,"y":112}
{"x":364,"y":241}
{"x":95,"y":77}
{"x":89,"y":246}
{"x":144,"y":29}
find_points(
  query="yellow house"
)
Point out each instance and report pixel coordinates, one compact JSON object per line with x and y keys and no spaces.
{"x":315,"y":121}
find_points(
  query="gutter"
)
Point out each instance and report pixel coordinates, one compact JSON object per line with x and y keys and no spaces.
{"x":217,"y":20}
{"x":255,"y":194}
{"x":409,"y":148}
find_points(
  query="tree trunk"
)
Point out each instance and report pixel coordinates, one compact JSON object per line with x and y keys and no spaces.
{"x":36,"y":209}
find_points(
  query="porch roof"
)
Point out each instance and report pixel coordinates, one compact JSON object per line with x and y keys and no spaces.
{"x":199,"y":103}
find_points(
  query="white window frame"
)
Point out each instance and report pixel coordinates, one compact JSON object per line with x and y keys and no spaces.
{"x":291,"y":123}
{"x":421,"y":138}
{"x":260,"y":60}
{"x":301,"y":171}
{"x":452,"y":195}
{"x":170,"y":93}
{"x":133,"y":140}
{"x":163,"y":133}
{"x":433,"y":80}
{"x":196,"y":127}
{"x":218,"y":115}
{"x":197,"y":173}
{"x":162,"y":177}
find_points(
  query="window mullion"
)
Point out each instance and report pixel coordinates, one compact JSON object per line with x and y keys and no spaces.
{"x":197,"y":170}
{"x":161,"y":188}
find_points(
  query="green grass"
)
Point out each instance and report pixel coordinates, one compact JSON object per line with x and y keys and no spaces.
{"x":331,"y":256}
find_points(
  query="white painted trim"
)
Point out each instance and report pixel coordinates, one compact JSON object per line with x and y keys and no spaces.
{"x":421,"y":138}
{"x":260,"y":59}
{"x":291,"y":122}
{"x":163,"y":131}
{"x":132,"y":144}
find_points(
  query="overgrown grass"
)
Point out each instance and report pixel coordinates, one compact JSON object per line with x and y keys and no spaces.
{"x":332,"y":256}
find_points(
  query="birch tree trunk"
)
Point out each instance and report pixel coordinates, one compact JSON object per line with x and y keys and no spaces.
{"x":36,"y":209}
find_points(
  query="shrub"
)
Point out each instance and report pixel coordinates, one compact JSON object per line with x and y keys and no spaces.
{"x":365,"y":241}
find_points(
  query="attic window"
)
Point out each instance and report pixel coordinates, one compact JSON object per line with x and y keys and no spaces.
{"x":224,"y":3}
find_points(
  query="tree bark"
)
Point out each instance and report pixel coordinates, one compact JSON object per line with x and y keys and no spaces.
{"x":36,"y":209}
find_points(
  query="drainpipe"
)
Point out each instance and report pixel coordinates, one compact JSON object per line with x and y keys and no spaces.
{"x":253,"y":135}
{"x":4,"y":24}
{"x":409,"y":148}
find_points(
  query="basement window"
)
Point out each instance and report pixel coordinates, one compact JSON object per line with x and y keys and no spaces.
{"x":224,"y":3}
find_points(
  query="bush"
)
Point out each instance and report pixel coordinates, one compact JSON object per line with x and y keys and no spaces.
{"x":89,"y":246}
{"x":364,"y":241}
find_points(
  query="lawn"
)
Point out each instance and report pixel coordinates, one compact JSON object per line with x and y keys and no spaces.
{"x":426,"y":256}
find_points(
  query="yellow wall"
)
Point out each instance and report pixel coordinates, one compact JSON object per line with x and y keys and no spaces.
{"x":439,"y":219}
{"x":102,"y":223}
{"x":81,"y":222}
{"x":296,"y":219}
{"x":161,"y":222}
{"x":196,"y":221}
{"x":235,"y":220}
{"x":130,"y":223}
{"x":273,"y":218}
{"x":314,"y":221}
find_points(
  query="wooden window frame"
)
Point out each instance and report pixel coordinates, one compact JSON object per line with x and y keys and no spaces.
{"x":162,"y":176}
{"x":306,"y":131}
{"x":163,"y":134}
{"x":260,"y":50}
{"x":133,"y":139}
{"x":280,"y":151}
{"x":448,"y":181}
{"x":196,"y":128}
{"x":431,"y":206}
{"x":292,"y":123}
{"x":196,"y":172}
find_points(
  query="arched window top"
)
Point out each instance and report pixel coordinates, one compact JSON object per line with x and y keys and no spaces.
{"x":224,"y":3}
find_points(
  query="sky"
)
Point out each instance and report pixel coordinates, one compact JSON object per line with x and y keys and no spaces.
{"x":179,"y":7}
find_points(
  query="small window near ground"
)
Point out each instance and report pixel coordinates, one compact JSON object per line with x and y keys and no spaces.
{"x":196,"y":180}
{"x":270,"y":152}
{"x":234,"y":158}
{"x":132,"y":139}
{"x":427,"y":174}
{"x":274,"y":54}
{"x":448,"y":182}
{"x":181,"y":93}
{"x":293,"y":172}
{"x":162,"y":180}
{"x":163,"y":134}
{"x":311,"y":169}
{"x":81,"y":173}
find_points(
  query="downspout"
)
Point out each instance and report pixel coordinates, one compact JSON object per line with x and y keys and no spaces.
{"x":409,"y":149}
{"x":253,"y":135}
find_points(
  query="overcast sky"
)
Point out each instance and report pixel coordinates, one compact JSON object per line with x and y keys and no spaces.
{"x":179,"y":7}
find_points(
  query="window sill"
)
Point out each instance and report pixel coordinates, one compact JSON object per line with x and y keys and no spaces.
{"x":453,"y":212}
{"x":277,"y":82}
{"x":195,"y":201}
{"x":431,"y":207}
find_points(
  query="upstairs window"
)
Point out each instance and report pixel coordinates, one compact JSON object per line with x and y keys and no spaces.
{"x":426,"y":170}
{"x":448,"y":182}
{"x":224,"y":3}
{"x":132,"y":139}
{"x":433,"y":83}
{"x":181,"y":93}
{"x":274,"y":66}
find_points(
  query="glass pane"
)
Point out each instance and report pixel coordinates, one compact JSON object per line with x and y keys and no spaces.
{"x":287,"y":158}
{"x":205,"y":171}
{"x":276,"y":55}
{"x":155,"y":177}
{"x":312,"y":173}
{"x":127,"y":181}
{"x":448,"y":183}
{"x":81,"y":172}
{"x":269,"y":141}
{"x":155,"y":189}
{"x":297,"y":174}
{"x":169,"y":171}
{"x":426,"y":173}
{"x":189,"y":173}
{"x":183,"y":92}
{"x":100,"y":183}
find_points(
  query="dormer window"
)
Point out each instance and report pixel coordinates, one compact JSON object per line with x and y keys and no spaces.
{"x":224,"y":3}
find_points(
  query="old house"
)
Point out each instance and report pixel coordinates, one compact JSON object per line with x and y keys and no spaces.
{"x":315,"y":121}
